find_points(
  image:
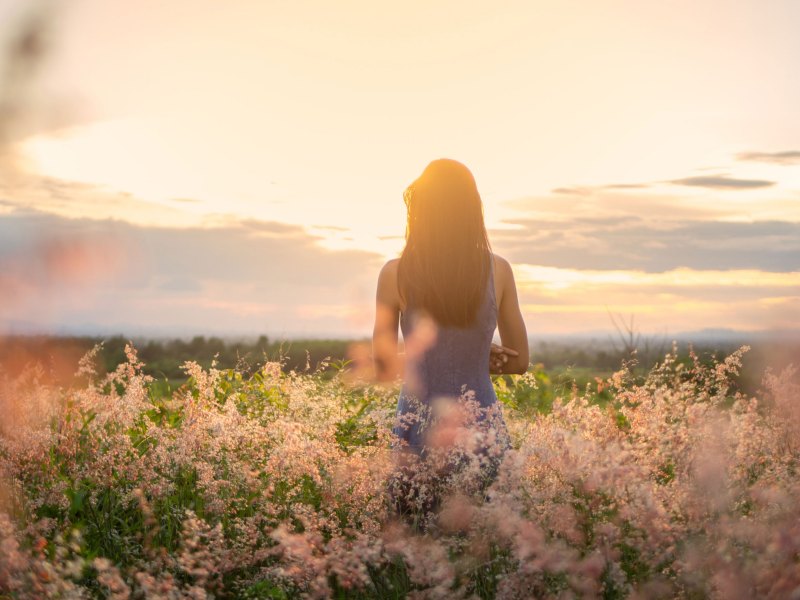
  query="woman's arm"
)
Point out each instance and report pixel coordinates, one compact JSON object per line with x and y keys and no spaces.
{"x":388,"y":363}
{"x":510,"y":324}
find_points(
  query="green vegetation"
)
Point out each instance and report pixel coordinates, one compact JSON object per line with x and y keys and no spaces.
{"x":268,"y":484}
{"x":562,"y":365}
{"x":164,"y":359}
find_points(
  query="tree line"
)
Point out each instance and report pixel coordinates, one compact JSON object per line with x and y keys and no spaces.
{"x":164,"y":358}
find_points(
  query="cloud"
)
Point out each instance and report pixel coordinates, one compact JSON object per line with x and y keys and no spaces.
{"x":626,"y":186}
{"x":788,"y":157}
{"x":722,"y":182}
{"x":653,"y":229}
{"x":634,"y":243}
{"x":23,"y":190}
{"x":586,"y":311}
{"x":572,"y":191}
{"x":569,"y":300}
{"x":616,"y":205}
{"x":181,"y":283}
{"x":329,"y":228}
{"x":243,"y":277}
{"x":587,"y":190}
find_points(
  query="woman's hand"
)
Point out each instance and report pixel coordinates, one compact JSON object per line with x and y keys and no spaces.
{"x":498,"y":357}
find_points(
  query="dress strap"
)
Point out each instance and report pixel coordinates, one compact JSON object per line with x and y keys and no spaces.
{"x":490,"y":282}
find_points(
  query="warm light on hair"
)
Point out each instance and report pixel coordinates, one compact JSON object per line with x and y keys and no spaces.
{"x":445,"y":265}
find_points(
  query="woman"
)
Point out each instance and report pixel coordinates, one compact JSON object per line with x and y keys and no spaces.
{"x":448,"y":292}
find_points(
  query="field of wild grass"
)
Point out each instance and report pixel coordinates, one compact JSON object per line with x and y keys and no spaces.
{"x":274,"y":485}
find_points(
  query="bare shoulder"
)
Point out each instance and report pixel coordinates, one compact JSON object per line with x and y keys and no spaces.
{"x":391,"y":265}
{"x":387,"y":283}
{"x":502,"y":268}
{"x":388,"y":272}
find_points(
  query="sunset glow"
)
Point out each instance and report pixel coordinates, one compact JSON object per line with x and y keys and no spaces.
{"x":633,"y":158}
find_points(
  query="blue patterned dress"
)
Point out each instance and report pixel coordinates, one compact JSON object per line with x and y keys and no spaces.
{"x":455,"y":366}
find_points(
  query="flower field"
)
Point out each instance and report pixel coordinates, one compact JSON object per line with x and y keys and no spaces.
{"x":276,"y":485}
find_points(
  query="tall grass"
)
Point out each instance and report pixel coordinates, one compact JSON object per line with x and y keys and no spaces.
{"x":279,"y":485}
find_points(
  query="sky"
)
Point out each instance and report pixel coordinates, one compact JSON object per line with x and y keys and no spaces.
{"x":181,"y":167}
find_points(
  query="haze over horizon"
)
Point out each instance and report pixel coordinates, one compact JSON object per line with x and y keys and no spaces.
{"x":193,"y":167}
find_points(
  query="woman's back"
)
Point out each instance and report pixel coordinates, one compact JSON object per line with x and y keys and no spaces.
{"x":450,"y":363}
{"x":457,"y":356}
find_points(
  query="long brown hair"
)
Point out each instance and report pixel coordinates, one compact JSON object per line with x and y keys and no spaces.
{"x":445,"y":264}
